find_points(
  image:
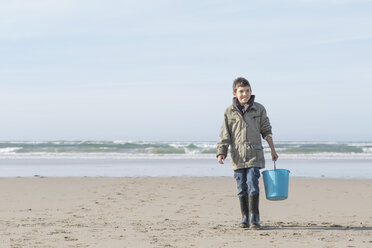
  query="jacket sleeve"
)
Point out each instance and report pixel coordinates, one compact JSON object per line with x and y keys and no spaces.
{"x":265,"y":128}
{"x":224,"y":138}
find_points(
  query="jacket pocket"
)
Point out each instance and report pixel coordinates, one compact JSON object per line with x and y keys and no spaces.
{"x":234,"y":157}
{"x":259,"y":152}
{"x":257,"y":120}
{"x":233,"y":124}
{"x":251,"y":152}
{"x":232,"y":121}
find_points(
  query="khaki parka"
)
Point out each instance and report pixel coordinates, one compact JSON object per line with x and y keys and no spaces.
{"x":243,"y":134}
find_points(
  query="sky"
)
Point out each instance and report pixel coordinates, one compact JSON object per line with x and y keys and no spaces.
{"x":163,"y":70}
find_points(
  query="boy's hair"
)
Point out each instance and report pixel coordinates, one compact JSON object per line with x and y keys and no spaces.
{"x":240,"y":82}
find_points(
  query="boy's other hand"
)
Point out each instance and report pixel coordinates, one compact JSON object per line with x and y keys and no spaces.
{"x":220,"y":159}
{"x":274,"y":155}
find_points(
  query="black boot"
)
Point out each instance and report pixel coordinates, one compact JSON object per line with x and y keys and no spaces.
{"x":254,"y":214}
{"x":244,"y":209}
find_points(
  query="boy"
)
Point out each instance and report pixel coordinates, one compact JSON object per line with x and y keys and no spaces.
{"x":245,"y":121}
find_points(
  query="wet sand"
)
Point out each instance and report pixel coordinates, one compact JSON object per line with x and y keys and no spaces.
{"x":180,"y":212}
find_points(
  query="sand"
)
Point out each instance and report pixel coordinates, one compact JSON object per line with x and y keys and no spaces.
{"x":179,"y":212}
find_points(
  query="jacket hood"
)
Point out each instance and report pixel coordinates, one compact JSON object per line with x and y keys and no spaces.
{"x":244,"y":108}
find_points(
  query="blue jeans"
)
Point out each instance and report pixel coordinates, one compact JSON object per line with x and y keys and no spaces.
{"x":247,"y":181}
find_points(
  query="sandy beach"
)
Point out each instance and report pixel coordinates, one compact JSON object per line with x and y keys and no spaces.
{"x":179,"y":212}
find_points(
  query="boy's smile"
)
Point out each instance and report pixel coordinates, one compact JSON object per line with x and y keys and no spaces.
{"x":243,"y":94}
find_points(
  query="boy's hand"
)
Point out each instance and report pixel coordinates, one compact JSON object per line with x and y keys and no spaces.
{"x":220,"y":158}
{"x":274,"y":155}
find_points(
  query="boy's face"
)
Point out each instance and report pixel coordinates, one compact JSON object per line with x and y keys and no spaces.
{"x":243,"y":94}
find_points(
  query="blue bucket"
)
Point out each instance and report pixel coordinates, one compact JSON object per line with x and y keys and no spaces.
{"x":276,"y":184}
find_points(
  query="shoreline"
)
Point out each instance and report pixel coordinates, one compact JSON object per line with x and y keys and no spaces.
{"x":180,"y":212}
{"x":175,"y":167}
{"x":180,"y":177}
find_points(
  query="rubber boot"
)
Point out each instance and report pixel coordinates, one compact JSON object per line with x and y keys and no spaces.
{"x":254,"y":214}
{"x":245,"y":211}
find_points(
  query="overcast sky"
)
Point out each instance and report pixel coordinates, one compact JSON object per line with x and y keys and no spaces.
{"x":163,"y":70}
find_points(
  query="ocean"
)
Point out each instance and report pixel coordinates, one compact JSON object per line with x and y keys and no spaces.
{"x":158,"y":159}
